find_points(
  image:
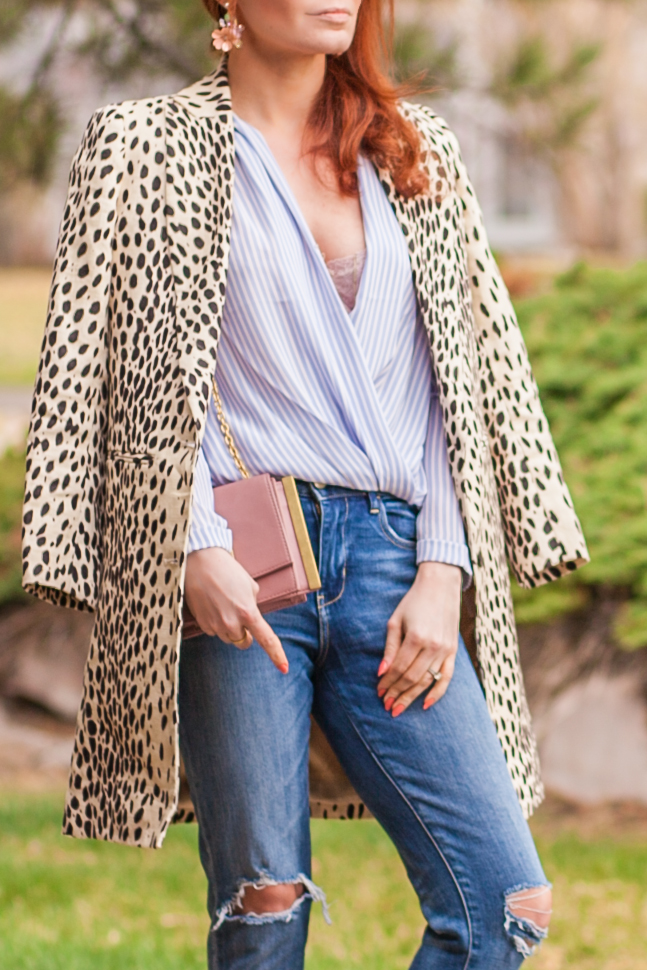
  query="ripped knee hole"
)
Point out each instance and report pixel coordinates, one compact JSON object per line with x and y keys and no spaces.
{"x":534,"y":904}
{"x":269,"y":899}
{"x":527,"y":915}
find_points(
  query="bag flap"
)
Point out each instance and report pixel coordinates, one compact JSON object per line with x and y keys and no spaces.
{"x":251,"y":509}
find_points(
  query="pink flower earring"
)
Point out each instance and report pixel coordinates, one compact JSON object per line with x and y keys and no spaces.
{"x":230,"y":32}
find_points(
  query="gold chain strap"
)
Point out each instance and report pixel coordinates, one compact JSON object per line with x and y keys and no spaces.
{"x":226,"y":432}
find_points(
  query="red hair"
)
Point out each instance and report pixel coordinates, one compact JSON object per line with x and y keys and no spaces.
{"x":357,"y":108}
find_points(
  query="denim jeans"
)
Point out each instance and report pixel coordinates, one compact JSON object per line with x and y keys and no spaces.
{"x":435,"y":780}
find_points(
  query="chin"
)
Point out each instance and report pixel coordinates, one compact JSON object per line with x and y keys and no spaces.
{"x":331,"y":46}
{"x":337,"y":50}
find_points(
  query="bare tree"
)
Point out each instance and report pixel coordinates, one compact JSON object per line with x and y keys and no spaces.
{"x":121,"y":38}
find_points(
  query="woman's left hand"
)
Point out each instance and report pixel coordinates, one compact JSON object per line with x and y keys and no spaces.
{"x":422,"y":635}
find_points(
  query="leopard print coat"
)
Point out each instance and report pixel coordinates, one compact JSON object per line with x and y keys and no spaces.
{"x":119,"y":412}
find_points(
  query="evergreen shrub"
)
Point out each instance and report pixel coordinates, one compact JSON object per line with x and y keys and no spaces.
{"x":12,"y":477}
{"x":587,"y":340}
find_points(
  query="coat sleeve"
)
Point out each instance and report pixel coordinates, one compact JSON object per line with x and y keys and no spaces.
{"x":66,"y":447}
{"x":543,"y":536}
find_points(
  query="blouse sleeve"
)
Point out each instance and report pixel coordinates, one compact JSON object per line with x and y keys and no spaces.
{"x":208,"y":529}
{"x":441,"y":536}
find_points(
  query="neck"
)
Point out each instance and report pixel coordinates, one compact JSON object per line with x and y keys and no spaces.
{"x":272,"y":90}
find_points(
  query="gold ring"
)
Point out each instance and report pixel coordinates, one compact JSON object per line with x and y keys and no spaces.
{"x":242,"y":639}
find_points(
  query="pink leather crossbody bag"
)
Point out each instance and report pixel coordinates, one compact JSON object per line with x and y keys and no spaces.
{"x":270,"y":535}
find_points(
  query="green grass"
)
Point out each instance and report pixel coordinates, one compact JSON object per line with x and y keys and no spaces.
{"x":23,"y":306}
{"x":67,"y":905}
{"x":600,"y":892}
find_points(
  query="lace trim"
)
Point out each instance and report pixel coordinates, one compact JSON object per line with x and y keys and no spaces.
{"x":346,"y":274}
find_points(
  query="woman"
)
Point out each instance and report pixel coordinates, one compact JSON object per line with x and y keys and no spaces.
{"x":290,"y":219}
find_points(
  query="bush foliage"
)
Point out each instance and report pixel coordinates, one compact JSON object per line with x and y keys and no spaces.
{"x":12,"y":475}
{"x":587,"y":340}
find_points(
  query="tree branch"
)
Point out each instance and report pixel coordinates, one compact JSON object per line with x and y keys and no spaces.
{"x":52,"y":48}
{"x":172,"y":59}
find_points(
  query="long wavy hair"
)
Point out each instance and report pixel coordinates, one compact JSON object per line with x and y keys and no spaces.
{"x":357,"y":107}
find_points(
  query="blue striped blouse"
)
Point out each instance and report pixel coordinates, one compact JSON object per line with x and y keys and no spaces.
{"x":310,"y":389}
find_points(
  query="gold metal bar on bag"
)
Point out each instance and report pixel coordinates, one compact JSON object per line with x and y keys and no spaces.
{"x":301,"y":532}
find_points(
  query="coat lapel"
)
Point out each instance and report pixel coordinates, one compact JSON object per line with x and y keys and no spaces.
{"x":198,"y":212}
{"x":431,"y":226}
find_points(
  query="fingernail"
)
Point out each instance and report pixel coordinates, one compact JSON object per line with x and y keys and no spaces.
{"x":428,"y":704}
{"x":381,"y":691}
{"x":284,"y":668}
{"x":382,"y":669}
{"x":388,"y":703}
{"x":398,"y":709}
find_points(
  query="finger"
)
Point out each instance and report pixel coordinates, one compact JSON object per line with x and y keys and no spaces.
{"x":440,"y":687}
{"x":407,"y":698}
{"x":415,"y":644}
{"x":242,"y":640}
{"x":417,"y":675}
{"x":405,"y":656}
{"x":268,"y":640}
{"x":394,"y":635}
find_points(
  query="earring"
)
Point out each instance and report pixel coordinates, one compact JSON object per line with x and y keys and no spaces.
{"x":230,"y":32}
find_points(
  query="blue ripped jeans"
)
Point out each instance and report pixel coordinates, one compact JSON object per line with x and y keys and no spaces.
{"x":435,"y":780}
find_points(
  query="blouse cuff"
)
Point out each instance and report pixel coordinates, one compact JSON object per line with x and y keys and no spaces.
{"x":208,"y":529}
{"x":452,"y":553}
{"x":210,"y":535}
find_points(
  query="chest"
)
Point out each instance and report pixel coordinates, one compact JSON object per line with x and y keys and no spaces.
{"x":333,"y":217}
{"x":281,"y":298}
{"x":181,"y":200}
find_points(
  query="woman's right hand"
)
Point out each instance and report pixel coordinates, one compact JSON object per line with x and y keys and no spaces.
{"x":222,"y":597}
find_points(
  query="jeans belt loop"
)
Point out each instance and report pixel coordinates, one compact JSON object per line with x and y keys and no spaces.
{"x":373,"y":504}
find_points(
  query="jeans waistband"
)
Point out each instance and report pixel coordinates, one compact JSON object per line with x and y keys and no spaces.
{"x":318,"y":491}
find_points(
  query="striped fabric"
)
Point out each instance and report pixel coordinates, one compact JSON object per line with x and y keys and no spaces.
{"x":310,"y":389}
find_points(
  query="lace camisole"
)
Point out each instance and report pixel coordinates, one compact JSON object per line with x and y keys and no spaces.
{"x":346,"y":274}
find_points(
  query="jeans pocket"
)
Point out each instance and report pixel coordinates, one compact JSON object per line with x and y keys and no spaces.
{"x":398,"y":522}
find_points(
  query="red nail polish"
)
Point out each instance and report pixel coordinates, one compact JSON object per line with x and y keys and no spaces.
{"x":388,"y":703}
{"x":428,"y":704}
{"x":398,"y":709}
{"x":381,"y":691}
{"x":382,"y":669}
{"x":284,"y":668}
